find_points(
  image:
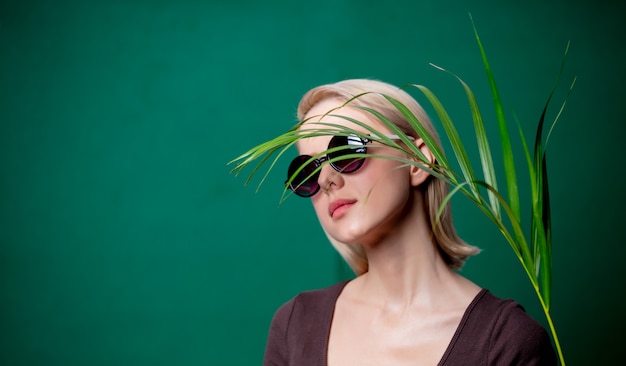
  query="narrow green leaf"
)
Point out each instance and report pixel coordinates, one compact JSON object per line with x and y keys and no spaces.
{"x":569,"y":92}
{"x":421,"y":131}
{"x":455,"y":140}
{"x":518,"y":239}
{"x":505,"y":140}
{"x":482,"y":141}
{"x":546,"y":248}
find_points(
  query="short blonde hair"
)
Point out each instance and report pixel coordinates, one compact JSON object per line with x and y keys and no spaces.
{"x":370,"y":93}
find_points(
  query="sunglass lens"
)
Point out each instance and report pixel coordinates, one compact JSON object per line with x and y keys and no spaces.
{"x":303,"y":184}
{"x":350,"y":145}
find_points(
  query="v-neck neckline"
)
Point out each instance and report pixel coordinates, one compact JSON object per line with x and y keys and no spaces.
{"x":457,"y":333}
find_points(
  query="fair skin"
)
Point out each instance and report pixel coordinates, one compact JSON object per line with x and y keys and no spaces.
{"x":407,"y":307}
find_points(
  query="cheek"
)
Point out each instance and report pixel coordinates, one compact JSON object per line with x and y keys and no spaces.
{"x":389,"y":190}
{"x":382,"y":176}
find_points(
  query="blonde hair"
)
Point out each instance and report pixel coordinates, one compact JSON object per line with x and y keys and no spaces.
{"x":452,"y":248}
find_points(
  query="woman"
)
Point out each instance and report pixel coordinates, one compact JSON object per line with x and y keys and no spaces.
{"x":407,"y":305}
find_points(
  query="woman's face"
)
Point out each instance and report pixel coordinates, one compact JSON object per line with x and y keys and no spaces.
{"x":359,"y":207}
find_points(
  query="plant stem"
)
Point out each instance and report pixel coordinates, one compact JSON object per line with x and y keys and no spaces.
{"x":546,"y":311}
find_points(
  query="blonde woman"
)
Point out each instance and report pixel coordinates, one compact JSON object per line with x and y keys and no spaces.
{"x":408,"y":305}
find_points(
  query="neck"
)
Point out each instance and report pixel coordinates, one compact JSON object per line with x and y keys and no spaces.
{"x":406,"y":269}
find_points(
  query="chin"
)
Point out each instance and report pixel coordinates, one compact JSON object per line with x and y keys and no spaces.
{"x":350,"y":236}
{"x":360,"y":228}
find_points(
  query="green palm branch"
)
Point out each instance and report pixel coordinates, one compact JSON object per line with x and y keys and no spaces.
{"x":533,"y":249}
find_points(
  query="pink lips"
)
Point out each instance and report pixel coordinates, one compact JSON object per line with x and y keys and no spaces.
{"x":338,"y":207}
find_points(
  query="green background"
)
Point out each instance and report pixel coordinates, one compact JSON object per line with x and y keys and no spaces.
{"x":124,"y":240}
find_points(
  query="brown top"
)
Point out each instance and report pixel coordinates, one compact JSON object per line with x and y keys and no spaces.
{"x":492,"y":331}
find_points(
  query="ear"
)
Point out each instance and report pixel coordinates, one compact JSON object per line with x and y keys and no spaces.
{"x":418,"y":175}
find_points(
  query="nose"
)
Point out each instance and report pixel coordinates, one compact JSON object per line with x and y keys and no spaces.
{"x":329,"y":177}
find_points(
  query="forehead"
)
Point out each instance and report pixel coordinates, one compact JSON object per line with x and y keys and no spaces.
{"x":333,"y":111}
{"x":330,"y":111}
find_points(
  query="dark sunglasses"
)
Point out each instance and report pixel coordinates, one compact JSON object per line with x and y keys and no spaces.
{"x":340,"y":156}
